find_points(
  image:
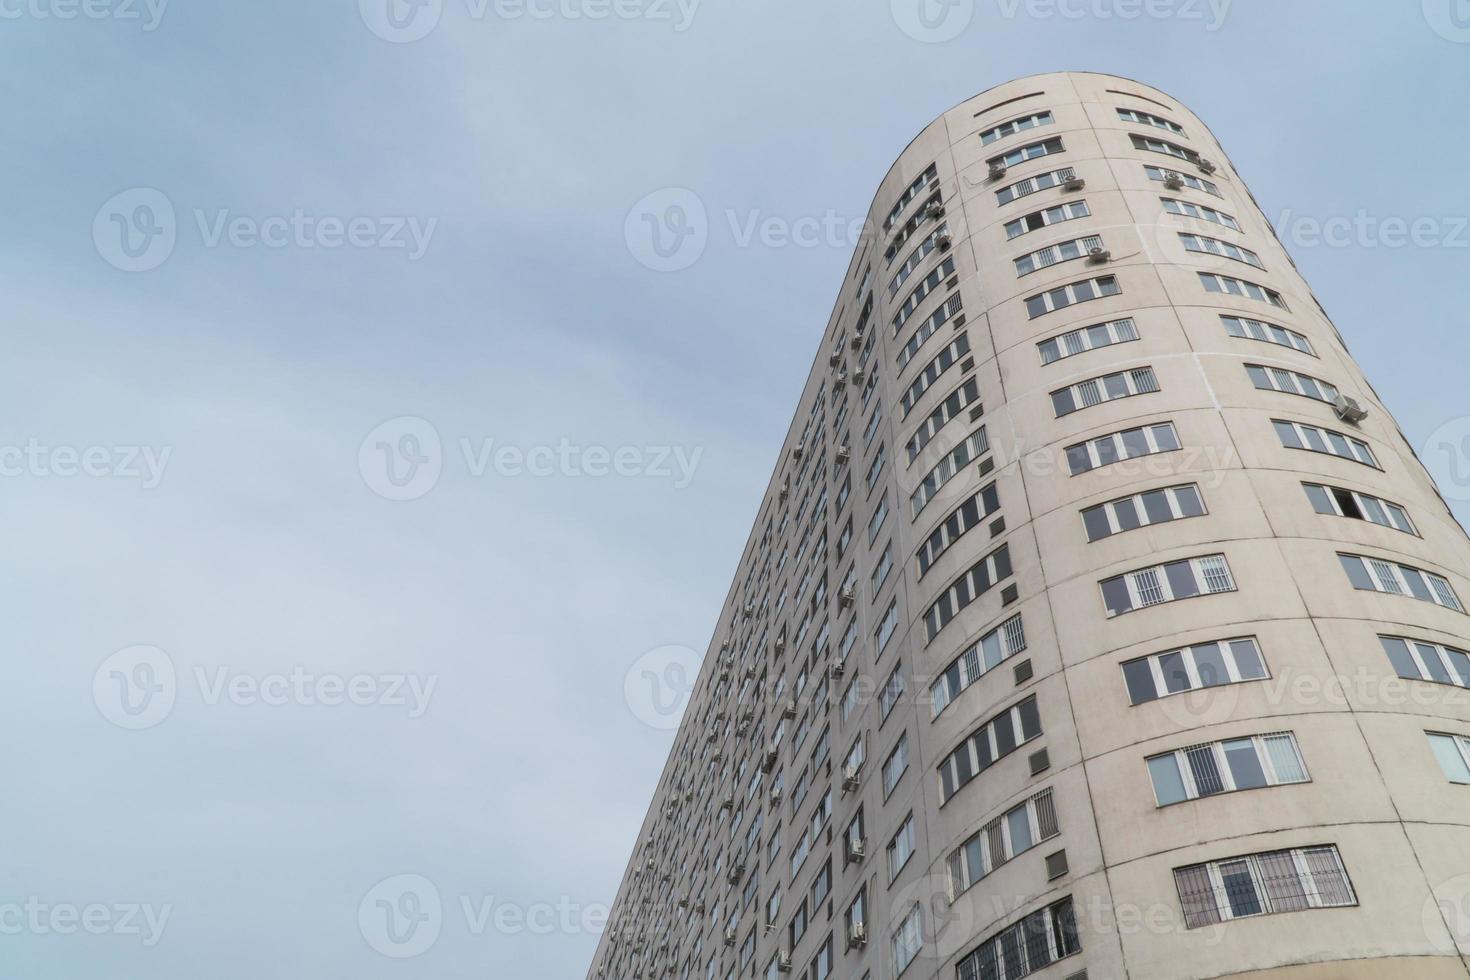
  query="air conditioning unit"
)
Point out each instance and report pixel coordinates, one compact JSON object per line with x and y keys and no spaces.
{"x":848,"y":595}
{"x":840,"y":381}
{"x":888,"y":253}
{"x":856,"y":342}
{"x":799,"y":449}
{"x":730,"y":936}
{"x":857,"y":849}
{"x":780,"y":644}
{"x":834,"y":357}
{"x":788,"y":710}
{"x":717,"y":756}
{"x":934,"y":211}
{"x":683,"y":903}
{"x":651,"y":864}
{"x":844,"y":453}
{"x":785,"y":489}
{"x":775,"y":796}
{"x":728,"y":660}
{"x":997,"y":169}
{"x":750,"y":673}
{"x":1174,"y":181}
{"x":1208,"y":166}
{"x":857,"y":934}
{"x":850,"y":778}
{"x":728,"y":803}
{"x":768,"y":761}
{"x":1349,"y":410}
{"x":700,"y":908}
{"x":1074,"y":183}
{"x":1097,"y":255}
{"x":783,"y":962}
{"x":838,"y":667}
{"x":749,"y":608}
{"x":944,"y":241}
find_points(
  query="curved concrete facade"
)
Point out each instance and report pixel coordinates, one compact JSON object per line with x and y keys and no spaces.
{"x":1219,"y":768}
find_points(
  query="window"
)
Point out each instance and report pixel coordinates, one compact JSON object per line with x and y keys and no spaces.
{"x":1263,"y":884}
{"x":1087,"y":338}
{"x":880,"y":573}
{"x":967,"y":394}
{"x":854,"y":834}
{"x":880,"y":514}
{"x":892,"y":691}
{"x":796,"y":928}
{"x":1045,"y":217}
{"x":1109,"y":387}
{"x":983,"y":656}
{"x":967,"y":515}
{"x":1213,"y":246}
{"x":942,"y":362}
{"x":1015,"y":126}
{"x":916,"y":258}
{"x":981,"y":578}
{"x":869,"y":430}
{"x":1453,"y":753}
{"x":1245,"y":327}
{"x":885,"y":629}
{"x":1189,"y":180}
{"x":907,"y":940}
{"x":901,"y":848}
{"x":1031,"y":151}
{"x":1291,"y":382}
{"x":971,"y":449}
{"x":1149,"y":119}
{"x":875,"y":468}
{"x":901,"y":237}
{"x":1166,"y":583}
{"x":1360,"y":506}
{"x":1377,"y":575}
{"x":1239,"y":287}
{"x":1142,"y":510}
{"x":930,"y":174}
{"x":821,"y":967}
{"x":895,"y":765}
{"x":925,"y":330}
{"x":1017,"y":830}
{"x":856,"y":755}
{"x":1154,"y":145}
{"x":926,"y":286}
{"x":1424,"y":661}
{"x":1042,"y":258}
{"x":1299,"y":435}
{"x":1225,"y":767}
{"x":856,"y":916}
{"x":1128,"y":444}
{"x":1189,"y":209}
{"x":1071,"y":294}
{"x":1037,"y":941}
{"x":988,"y":744}
{"x":821,"y":885}
{"x":1031,"y":185}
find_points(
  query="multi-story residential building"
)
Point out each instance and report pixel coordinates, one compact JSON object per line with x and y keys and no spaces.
{"x":1098,"y":620}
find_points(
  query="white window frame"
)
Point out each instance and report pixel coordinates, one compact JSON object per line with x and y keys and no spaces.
{"x":1046,"y":217}
{"x":1189,"y":180}
{"x":1150,"y":586}
{"x":1031,"y":185}
{"x":1120,"y":331}
{"x":1018,"y":125}
{"x":1149,"y":119}
{"x":1115,"y":526}
{"x":974,"y":446}
{"x":1096,"y":391}
{"x":1230,"y":286}
{"x":1213,"y":246}
{"x":1201,"y":212}
{"x":1266,"y":332}
{"x":1006,"y":640}
{"x":1222,"y":765}
{"x":947,"y":358}
{"x":1102,"y":288}
{"x":1050,"y":255}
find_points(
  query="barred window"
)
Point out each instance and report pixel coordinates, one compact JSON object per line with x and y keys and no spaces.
{"x":916,"y":258}
{"x":1142,"y":510}
{"x":988,"y":744}
{"x":1087,"y":338}
{"x":925,"y":330}
{"x":975,"y":446}
{"x":1225,"y":767}
{"x":1168,"y":582}
{"x":1370,"y":574}
{"x":982,"y":656}
{"x":929,"y":211}
{"x":1188,"y":180}
{"x":1037,"y":941}
{"x":1268,"y":378}
{"x":1055,"y":254}
{"x":1031,"y":185}
{"x":1263,"y":884}
{"x":1045,"y":217}
{"x":1071,"y":294}
{"x":1191,"y":210}
{"x":979,"y":579}
{"x":1246,"y":328}
{"x":1213,"y":246}
{"x":1108,"y":387}
{"x":1191,"y":668}
{"x":1014,"y":832}
{"x":1015,"y":126}
{"x":930,"y":174}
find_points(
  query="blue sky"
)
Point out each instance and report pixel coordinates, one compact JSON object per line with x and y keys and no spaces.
{"x":333,"y":545}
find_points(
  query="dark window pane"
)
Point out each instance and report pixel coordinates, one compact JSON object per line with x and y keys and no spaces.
{"x":1356,"y":573}
{"x":1135,"y":443}
{"x":1181,"y":579}
{"x":1156,"y":505}
{"x":1176,"y":675}
{"x":1140,"y":681}
{"x":1247,"y":659}
{"x":1189,"y":501}
{"x":1115,"y":596}
{"x":1127,"y":514}
{"x":1209,"y":661}
{"x":1400,"y":657}
{"x":1245,"y":766}
{"x":1078,"y":461}
{"x":1096,"y":521}
{"x":1432,"y":663}
{"x":1165,"y":436}
{"x":1030,"y":719}
{"x":1288,"y":436}
{"x":1320,"y":501}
